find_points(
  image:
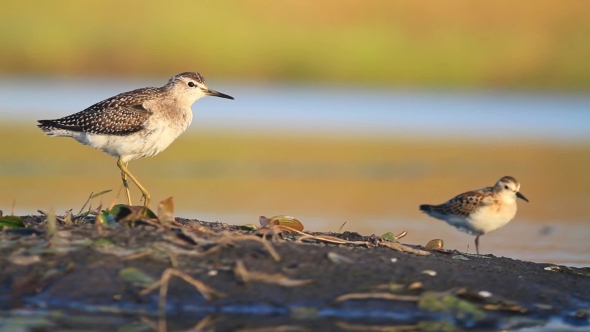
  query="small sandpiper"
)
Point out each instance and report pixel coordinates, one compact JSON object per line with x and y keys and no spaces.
{"x":135,"y":124}
{"x":480,"y":211}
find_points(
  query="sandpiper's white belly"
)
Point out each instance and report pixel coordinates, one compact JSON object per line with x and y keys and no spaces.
{"x":490,"y":218}
{"x":481,"y":221}
{"x":145,"y":143}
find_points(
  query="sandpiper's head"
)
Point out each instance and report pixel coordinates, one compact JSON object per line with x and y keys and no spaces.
{"x":190,"y":86}
{"x":509,"y":186}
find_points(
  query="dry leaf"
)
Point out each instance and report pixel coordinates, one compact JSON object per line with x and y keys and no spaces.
{"x":166,"y":211}
{"x":434,"y":244}
{"x":281,"y":220}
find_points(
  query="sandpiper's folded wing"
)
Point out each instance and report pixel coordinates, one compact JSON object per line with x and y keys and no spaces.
{"x":461,"y":205}
{"x":120,"y":115}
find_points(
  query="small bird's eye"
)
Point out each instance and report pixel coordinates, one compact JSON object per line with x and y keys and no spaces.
{"x":191,"y":84}
{"x":505,"y":186}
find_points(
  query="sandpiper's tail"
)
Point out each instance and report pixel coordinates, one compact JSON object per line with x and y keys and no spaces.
{"x":426,"y":208}
{"x":51,"y":128}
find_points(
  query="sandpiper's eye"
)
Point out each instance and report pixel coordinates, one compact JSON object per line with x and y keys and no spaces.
{"x":505,"y":186}
{"x":191,"y":84}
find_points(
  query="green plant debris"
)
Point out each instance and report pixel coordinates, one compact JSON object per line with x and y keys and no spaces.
{"x":83,"y":242}
{"x":582,"y":313}
{"x":389,"y":236}
{"x":248,"y":227}
{"x":27,"y":323}
{"x":136,"y":276}
{"x":100,"y":193}
{"x":12,"y":222}
{"x":304,"y":313}
{"x":450,"y":304}
{"x":135,"y":327}
{"x":105,"y":218}
{"x":125,"y":213}
{"x":437,"y":326}
{"x":460,"y":257}
{"x":51,"y":223}
{"x":396,"y":288}
{"x":103,"y":242}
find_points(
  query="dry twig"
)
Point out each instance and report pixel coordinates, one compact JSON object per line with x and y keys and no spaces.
{"x":381,"y":296}
{"x":403,"y":248}
{"x":246,"y":276}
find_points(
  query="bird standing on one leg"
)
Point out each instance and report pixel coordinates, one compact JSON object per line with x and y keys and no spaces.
{"x":135,"y":124}
{"x":480,"y":211}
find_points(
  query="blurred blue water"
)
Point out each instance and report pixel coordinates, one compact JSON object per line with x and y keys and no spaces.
{"x":556,"y":117}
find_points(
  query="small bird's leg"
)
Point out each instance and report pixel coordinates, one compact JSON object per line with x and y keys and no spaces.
{"x":126,"y":185}
{"x":145,"y":194}
{"x":477,"y":244}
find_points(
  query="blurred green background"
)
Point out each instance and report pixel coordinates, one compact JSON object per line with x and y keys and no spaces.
{"x":523,"y":44}
{"x":414,"y":61}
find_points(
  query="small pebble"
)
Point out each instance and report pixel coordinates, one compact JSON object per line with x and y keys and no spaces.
{"x":24,"y":260}
{"x":393,"y":260}
{"x":484,"y":293}
{"x":212,"y":273}
{"x":429,"y":272}
{"x":338,"y":259}
{"x":415,"y":285}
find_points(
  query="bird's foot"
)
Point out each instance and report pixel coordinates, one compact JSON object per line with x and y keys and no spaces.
{"x":146,"y":200}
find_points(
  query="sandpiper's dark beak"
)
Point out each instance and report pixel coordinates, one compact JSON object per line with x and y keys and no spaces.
{"x":214,"y":93}
{"x":521,"y":196}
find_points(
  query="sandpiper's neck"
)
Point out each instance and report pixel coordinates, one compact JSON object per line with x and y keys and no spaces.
{"x":506,"y":197}
{"x":179,"y":98}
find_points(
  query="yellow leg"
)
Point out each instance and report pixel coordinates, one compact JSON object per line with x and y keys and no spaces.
{"x":145,"y":194}
{"x":126,"y":185}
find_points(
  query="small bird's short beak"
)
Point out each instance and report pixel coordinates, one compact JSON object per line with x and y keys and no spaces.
{"x":214,"y":93}
{"x":521,"y":196}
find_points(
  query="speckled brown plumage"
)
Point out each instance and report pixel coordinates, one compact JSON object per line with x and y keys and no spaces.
{"x":461,"y":205}
{"x":120,"y":115}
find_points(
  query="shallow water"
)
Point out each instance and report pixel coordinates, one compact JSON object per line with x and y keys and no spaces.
{"x":54,"y":320}
{"x":331,"y":109}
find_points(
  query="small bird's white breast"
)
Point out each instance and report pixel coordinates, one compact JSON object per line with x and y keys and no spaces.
{"x":489,"y":218}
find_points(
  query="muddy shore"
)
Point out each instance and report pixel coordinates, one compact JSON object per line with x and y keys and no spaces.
{"x":225,"y":277}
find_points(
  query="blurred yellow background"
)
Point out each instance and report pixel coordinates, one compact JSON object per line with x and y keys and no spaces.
{"x":529,"y":59}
